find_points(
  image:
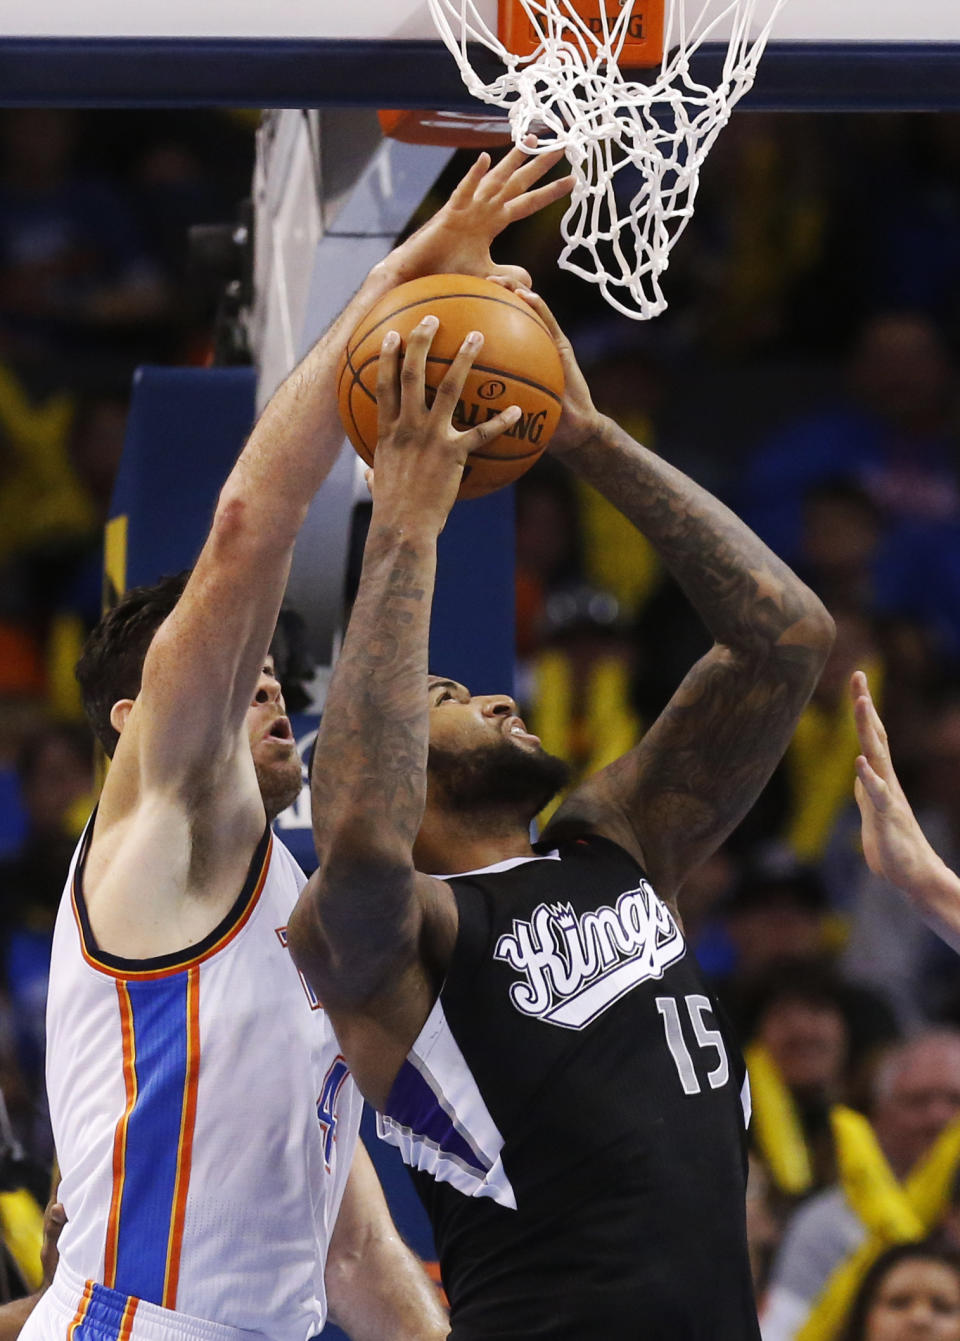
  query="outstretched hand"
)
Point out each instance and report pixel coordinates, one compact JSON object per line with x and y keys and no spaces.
{"x":458,"y":238}
{"x":420,"y":456}
{"x":893,"y":842}
{"x":579,"y":417}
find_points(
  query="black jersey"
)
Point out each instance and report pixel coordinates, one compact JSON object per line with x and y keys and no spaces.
{"x":574,"y":1114}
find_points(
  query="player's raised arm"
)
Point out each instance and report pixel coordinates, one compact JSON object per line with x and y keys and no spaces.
{"x":358,"y":930}
{"x":219,"y":633}
{"x":675,"y":796}
{"x":893,"y":842}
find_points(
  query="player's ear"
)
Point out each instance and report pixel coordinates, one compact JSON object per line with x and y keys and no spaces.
{"x":119,"y":714}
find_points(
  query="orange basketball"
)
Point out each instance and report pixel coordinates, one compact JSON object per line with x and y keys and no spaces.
{"x":517,"y":365}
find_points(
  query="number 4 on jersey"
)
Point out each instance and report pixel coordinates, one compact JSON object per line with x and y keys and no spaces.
{"x":697,"y":1006}
{"x":327,"y":1105}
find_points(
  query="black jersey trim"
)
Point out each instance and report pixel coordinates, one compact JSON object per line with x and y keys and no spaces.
{"x":163,"y":965}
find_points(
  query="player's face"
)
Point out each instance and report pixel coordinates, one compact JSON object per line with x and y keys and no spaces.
{"x":916,"y":1301}
{"x":482,"y":755}
{"x":461,"y":720}
{"x":272,"y":744}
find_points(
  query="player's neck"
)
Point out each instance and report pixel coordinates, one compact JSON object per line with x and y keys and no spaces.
{"x":450,"y":843}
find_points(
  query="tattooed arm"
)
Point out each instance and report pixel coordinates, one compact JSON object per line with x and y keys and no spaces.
{"x":675,"y":796}
{"x":367,"y":929}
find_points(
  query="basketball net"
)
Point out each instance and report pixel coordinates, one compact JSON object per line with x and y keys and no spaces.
{"x":635,"y":144}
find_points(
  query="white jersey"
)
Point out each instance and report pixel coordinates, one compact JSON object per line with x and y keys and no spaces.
{"x":203,"y":1116}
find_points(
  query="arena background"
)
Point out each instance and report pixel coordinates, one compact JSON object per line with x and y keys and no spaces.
{"x":806,"y":370}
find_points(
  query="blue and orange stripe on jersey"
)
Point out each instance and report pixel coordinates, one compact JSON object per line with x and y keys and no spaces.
{"x":128,"y":1043}
{"x":185,"y":1140}
{"x":159,"y":1012}
{"x":154,"y":1137}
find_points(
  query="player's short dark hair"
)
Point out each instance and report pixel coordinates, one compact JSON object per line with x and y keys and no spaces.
{"x":111,"y":664}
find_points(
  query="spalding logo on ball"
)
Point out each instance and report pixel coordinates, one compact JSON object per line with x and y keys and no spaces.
{"x":517,"y":365}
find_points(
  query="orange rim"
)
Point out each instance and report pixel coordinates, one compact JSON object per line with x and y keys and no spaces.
{"x":642,"y":46}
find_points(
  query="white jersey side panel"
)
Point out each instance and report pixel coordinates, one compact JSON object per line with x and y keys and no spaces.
{"x":203,"y":1117}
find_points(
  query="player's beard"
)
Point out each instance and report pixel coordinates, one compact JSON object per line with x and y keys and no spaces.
{"x":279,"y":783}
{"x":497,"y":776}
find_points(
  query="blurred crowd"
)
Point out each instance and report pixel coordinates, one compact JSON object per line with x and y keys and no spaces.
{"x":807,"y":372}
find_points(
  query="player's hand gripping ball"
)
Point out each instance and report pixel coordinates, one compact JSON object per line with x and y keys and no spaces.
{"x":517,"y":365}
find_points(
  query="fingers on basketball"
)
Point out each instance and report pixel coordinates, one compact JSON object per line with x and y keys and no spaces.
{"x":454,"y":379}
{"x":518,"y":364}
{"x":543,"y":312}
{"x":482,"y":434}
{"x":388,"y":389}
{"x":414,"y":370}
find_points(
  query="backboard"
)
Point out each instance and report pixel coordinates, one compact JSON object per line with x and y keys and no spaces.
{"x":868,"y":54}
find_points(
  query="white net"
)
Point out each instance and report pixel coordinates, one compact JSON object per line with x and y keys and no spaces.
{"x":635,"y":141}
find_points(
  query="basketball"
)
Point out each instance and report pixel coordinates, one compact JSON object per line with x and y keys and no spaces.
{"x":518,"y":364}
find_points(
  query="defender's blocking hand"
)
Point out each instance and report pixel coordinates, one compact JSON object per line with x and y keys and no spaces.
{"x":457,"y":239}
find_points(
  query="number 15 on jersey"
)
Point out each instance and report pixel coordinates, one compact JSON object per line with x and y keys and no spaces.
{"x":709,"y":1042}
